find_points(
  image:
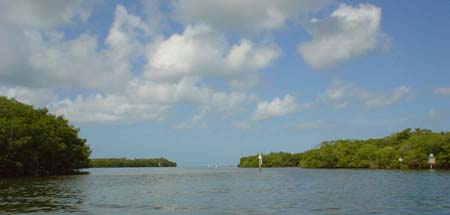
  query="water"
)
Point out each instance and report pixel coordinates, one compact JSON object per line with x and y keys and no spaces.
{"x":230,"y":191}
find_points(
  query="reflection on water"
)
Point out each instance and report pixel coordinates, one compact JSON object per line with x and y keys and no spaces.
{"x":230,"y":191}
{"x":44,"y":194}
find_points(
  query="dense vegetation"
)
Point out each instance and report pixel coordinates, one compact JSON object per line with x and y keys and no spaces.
{"x":274,"y":159}
{"x":124,"y":162}
{"x":34,"y":142}
{"x":413,"y":146}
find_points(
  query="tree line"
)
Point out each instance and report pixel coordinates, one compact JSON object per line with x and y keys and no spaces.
{"x":124,"y":162}
{"x":35,"y":142}
{"x":274,"y":159}
{"x":412,"y":145}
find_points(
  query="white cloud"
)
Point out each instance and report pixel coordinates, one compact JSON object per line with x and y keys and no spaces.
{"x":108,"y":109}
{"x":244,"y":16}
{"x":125,"y":35}
{"x":203,"y":51}
{"x":342,"y":94}
{"x":75,"y":63}
{"x":43,"y":13}
{"x":197,"y":120}
{"x":46,"y":59}
{"x":399,"y":93}
{"x":187,"y":90}
{"x":277,"y":107}
{"x":442,"y":91}
{"x":347,"y":33}
{"x":148,"y":101}
{"x":39,"y":97}
{"x":156,"y":19}
{"x":36,"y":58}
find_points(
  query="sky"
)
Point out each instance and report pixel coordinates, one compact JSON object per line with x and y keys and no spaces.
{"x":206,"y":82}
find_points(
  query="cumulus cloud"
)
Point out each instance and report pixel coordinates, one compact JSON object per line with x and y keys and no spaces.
{"x":188,"y":90}
{"x":109,"y":108}
{"x":196,"y":121}
{"x":342,"y":94}
{"x":75,"y":63}
{"x":46,"y":59}
{"x":44,"y":13}
{"x":127,"y":34}
{"x":137,"y":73}
{"x":244,"y":16}
{"x":397,"y":95}
{"x":199,"y":50}
{"x":276,"y":107}
{"x":38,"y":59}
{"x":40,"y":97}
{"x":347,"y":33}
{"x":148,"y":101}
{"x":155,"y":19}
{"x":442,"y":91}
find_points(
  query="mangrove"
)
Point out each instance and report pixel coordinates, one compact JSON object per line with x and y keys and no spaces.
{"x":124,"y":162}
{"x":412,"y":145}
{"x":35,"y":142}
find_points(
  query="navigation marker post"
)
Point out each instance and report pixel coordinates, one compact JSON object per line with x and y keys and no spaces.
{"x":260,"y":162}
{"x":401,"y":162}
{"x":431,"y":160}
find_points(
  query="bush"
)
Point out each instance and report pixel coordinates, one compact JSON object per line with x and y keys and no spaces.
{"x":413,"y":146}
{"x":35,"y":142}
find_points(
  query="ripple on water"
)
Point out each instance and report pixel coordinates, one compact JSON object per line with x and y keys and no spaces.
{"x":230,"y":191}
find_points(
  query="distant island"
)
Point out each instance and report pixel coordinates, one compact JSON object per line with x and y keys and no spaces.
{"x":412,"y":146}
{"x":35,"y":142}
{"x":124,"y":162}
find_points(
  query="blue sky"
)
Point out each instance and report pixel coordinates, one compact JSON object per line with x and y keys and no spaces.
{"x":206,"y":82}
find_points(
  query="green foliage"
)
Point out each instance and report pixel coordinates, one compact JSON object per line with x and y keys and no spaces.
{"x":280,"y":159}
{"x":124,"y":162}
{"x":34,"y":142}
{"x":413,"y":146}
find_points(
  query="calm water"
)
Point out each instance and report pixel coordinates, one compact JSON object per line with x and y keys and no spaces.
{"x":230,"y":191}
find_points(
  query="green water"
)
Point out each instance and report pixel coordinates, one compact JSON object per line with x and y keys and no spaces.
{"x":229,"y":191}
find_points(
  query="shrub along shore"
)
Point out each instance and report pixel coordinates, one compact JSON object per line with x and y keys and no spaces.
{"x":35,"y":142}
{"x":124,"y":162}
{"x":413,"y":146}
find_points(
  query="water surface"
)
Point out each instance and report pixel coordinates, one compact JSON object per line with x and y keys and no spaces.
{"x":229,"y":191}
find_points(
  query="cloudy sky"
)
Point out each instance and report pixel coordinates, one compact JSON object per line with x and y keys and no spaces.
{"x":206,"y":82}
